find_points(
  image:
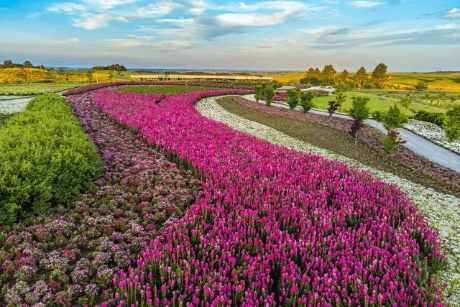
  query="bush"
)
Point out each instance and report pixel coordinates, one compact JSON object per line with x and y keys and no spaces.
{"x":452,"y":124}
{"x":47,"y":159}
{"x":431,"y":117}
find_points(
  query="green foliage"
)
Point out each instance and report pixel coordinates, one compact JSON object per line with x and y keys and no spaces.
{"x":359,"y":109}
{"x":393,"y":118}
{"x":421,"y":85}
{"x":47,"y":159}
{"x":390,"y":143}
{"x":431,"y":117}
{"x":379,"y":75}
{"x":306,"y":101}
{"x":360,"y":77}
{"x":269,"y":93}
{"x":452,"y":124}
{"x":258,"y":91}
{"x":293,"y":97}
{"x":405,"y":101}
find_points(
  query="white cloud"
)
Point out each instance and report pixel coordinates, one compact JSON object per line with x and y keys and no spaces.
{"x":364,"y":4}
{"x":92,"y":22}
{"x":107,"y":4}
{"x":453,"y":13}
{"x":168,"y":45}
{"x":69,"y":40}
{"x":449,"y":26}
{"x":66,"y":7}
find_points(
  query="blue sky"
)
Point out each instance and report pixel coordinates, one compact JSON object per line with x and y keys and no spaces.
{"x":406,"y":35}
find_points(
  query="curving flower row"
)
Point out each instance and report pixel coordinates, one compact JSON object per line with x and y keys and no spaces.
{"x":275,"y":226}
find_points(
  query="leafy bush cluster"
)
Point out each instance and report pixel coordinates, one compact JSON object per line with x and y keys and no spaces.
{"x":47,"y":159}
{"x":431,"y":117}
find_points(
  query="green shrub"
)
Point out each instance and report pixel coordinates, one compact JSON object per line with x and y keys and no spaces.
{"x":46,"y":159}
{"x":389,"y":143}
{"x":431,"y":117}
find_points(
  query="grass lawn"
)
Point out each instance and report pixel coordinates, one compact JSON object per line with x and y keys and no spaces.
{"x":167,"y":89}
{"x":375,"y":104}
{"x":36,"y":88}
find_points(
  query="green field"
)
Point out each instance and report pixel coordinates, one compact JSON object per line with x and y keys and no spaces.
{"x":375,"y":104}
{"x":167,"y":89}
{"x":36,"y":88}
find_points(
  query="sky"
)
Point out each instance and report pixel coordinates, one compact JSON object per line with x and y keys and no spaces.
{"x":406,"y":35}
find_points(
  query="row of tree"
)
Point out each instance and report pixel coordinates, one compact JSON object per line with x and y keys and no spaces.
{"x":26,"y":64}
{"x":329,"y":76}
{"x":115,"y":67}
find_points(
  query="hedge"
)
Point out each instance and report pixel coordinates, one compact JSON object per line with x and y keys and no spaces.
{"x":46,"y":159}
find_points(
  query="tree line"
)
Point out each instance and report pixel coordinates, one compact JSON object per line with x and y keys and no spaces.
{"x":26,"y":64}
{"x":329,"y":76}
{"x":115,"y":67}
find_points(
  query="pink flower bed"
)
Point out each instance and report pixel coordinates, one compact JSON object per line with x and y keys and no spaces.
{"x":275,"y":227}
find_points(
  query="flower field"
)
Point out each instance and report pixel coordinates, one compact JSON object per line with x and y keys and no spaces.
{"x":70,"y":256}
{"x":274,"y":226}
{"x":333,"y":135}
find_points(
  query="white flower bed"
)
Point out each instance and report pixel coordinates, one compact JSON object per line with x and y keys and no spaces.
{"x":13,"y":106}
{"x":442,"y":211}
{"x":433,"y":133}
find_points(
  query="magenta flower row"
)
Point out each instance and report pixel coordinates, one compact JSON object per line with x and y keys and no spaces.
{"x":275,"y":226}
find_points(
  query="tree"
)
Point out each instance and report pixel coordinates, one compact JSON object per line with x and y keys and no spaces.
{"x":361,"y":76}
{"x":89,"y":75}
{"x":452,"y":124}
{"x":312,"y":76}
{"x":340,"y":97}
{"x":391,"y":119}
{"x":327,"y":75}
{"x":379,"y":75}
{"x":293,"y":97}
{"x":258,"y":91}
{"x":306,"y":101}
{"x":27,"y":64}
{"x":111,"y":75}
{"x":61,"y":70}
{"x":344,"y":77}
{"x":269,"y":93}
{"x":421,"y":85}
{"x":405,"y":101}
{"x":7,"y":63}
{"x":333,"y":105}
{"x":359,"y":112}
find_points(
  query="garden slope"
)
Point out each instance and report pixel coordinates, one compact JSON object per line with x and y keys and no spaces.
{"x":275,"y":226}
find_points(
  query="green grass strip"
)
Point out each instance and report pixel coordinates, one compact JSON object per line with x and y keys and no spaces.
{"x":46,"y":159}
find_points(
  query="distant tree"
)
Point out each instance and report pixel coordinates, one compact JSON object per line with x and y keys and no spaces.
{"x":41,"y":66}
{"x":27,"y":64}
{"x":61,"y":70}
{"x":306,"y":100}
{"x":379,"y":75}
{"x":269,"y":93}
{"x":328,"y":74}
{"x":452,"y":124}
{"x":89,"y":75}
{"x":111,"y":75}
{"x":360,"y":77}
{"x":333,"y":105}
{"x":344,"y":77}
{"x":293,"y":97}
{"x":7,"y":63}
{"x":421,"y":85}
{"x":312,"y":76}
{"x":359,"y":112}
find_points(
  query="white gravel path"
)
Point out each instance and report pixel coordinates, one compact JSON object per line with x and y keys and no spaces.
{"x":442,"y":211}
